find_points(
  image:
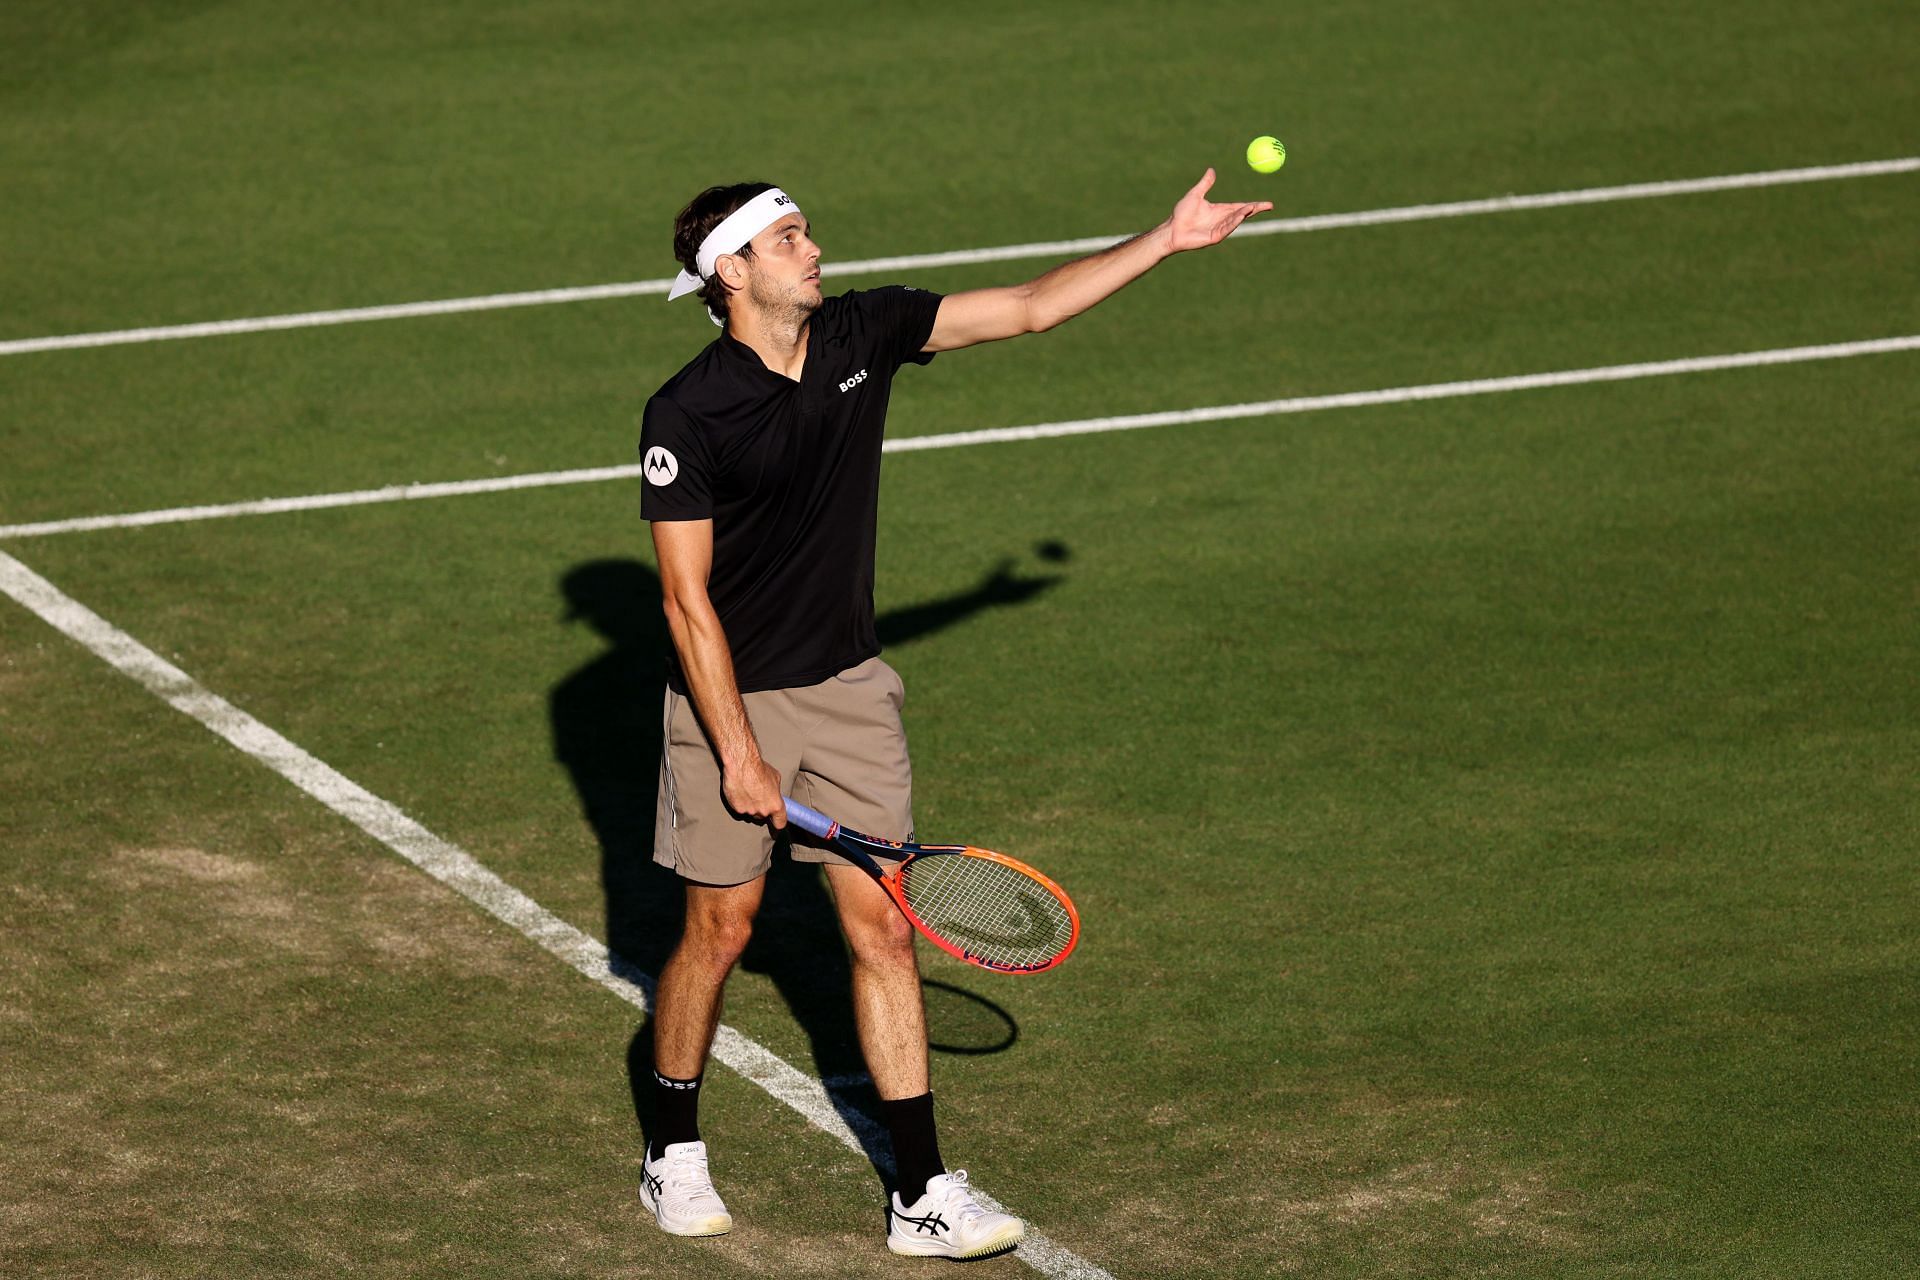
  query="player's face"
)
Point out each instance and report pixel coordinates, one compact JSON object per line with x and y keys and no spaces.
{"x":784,"y":272}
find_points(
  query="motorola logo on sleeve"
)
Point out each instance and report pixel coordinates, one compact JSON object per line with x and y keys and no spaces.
{"x":660,"y":466}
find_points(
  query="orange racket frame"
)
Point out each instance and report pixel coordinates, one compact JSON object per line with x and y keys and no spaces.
{"x":860,"y":849}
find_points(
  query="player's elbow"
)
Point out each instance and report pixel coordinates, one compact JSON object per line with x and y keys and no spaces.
{"x":682,"y":613}
{"x":1039,"y":315}
{"x":1044,"y":314}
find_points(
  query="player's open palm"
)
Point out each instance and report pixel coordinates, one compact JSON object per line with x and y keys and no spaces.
{"x":1198,"y":222}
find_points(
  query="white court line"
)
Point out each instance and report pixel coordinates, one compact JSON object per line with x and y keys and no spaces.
{"x":968,"y":257}
{"x":457,"y":869}
{"x":1001,"y":435}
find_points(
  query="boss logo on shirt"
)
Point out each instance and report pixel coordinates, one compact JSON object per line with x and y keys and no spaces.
{"x":854,"y":381}
{"x":660,"y":466}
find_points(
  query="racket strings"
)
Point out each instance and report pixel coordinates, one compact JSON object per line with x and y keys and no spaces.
{"x":992,"y":910}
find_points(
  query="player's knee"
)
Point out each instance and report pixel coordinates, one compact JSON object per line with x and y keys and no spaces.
{"x":885,"y":938}
{"x":718,"y":938}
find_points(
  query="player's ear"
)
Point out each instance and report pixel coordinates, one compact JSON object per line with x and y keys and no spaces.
{"x":731,"y":273}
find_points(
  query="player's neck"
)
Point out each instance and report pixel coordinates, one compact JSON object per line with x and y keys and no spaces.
{"x":779,"y":341}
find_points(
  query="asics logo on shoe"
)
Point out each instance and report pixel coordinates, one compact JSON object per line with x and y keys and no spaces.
{"x":678,"y":1191}
{"x":949,"y":1223}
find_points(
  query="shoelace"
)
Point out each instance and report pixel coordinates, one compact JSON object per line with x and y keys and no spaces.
{"x":959,"y":1201}
{"x":688,"y":1172}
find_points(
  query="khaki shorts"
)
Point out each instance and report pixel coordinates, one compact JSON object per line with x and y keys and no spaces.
{"x":837,"y":745}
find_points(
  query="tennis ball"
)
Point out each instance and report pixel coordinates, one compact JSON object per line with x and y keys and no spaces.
{"x":1264,"y":155}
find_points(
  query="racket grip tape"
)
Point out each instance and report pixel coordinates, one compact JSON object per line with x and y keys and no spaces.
{"x":811,"y":821}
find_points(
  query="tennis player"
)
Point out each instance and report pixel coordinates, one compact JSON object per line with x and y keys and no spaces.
{"x":762,"y":467}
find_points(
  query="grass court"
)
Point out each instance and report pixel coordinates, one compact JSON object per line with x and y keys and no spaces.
{"x":1493,"y":818}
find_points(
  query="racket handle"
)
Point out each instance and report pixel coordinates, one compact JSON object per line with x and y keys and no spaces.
{"x":811,"y":821}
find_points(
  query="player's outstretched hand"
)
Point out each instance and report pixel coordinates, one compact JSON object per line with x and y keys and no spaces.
{"x":1197,"y":222}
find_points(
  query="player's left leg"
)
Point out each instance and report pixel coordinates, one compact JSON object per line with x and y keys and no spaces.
{"x":856,"y":767}
{"x":932,"y":1213}
{"x":887,"y":1008}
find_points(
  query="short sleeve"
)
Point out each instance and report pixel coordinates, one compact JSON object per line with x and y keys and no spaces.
{"x":675,"y":465}
{"x":902,"y":320}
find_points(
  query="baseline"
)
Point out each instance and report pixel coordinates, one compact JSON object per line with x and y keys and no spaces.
{"x":459,"y":871}
{"x":1002,"y":435}
{"x":968,"y":257}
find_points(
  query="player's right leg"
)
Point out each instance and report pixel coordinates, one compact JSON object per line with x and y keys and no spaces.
{"x":674,"y":1181}
{"x":687,"y":1004}
{"x":723,"y":862}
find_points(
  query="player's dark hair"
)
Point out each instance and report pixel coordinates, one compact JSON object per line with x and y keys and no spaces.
{"x":703,"y":213}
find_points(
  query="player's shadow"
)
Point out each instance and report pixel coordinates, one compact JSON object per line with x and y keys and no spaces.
{"x":605,"y":719}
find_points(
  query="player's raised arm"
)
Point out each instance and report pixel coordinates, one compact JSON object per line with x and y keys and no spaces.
{"x":988,"y":315}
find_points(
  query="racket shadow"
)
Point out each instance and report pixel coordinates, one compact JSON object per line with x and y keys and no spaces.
{"x":965,"y":1023}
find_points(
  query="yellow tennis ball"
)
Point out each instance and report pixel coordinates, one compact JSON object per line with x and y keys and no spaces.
{"x":1264,"y":155}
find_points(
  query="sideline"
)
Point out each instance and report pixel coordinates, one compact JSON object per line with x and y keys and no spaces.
{"x":458,"y":870}
{"x":1002,"y":435}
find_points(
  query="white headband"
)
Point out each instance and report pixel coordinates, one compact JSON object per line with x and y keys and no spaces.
{"x":740,"y":226}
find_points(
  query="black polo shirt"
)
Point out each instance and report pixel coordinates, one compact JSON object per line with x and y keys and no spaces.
{"x":789,"y":473}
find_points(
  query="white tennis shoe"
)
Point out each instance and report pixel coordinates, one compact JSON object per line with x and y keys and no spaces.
{"x":679,"y":1191}
{"x":947,"y":1222}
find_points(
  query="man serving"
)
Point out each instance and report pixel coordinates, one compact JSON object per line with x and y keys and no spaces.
{"x":762,"y":467}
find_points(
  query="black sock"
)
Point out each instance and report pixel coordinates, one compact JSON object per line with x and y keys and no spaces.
{"x":676,"y":1113}
{"x":916,"y":1148}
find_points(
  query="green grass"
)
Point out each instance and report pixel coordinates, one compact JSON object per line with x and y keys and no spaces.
{"x":1493,"y":819}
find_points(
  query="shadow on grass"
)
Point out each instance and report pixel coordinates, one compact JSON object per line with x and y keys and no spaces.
{"x":605,"y":719}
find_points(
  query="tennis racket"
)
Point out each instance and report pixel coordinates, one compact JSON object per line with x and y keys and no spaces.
{"x":974,"y":904}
